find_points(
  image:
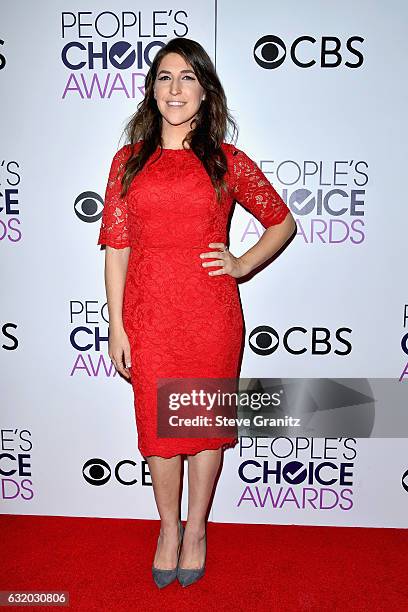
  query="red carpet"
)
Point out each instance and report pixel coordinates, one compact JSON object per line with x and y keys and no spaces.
{"x":105,"y":565}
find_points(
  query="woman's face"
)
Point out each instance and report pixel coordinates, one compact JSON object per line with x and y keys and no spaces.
{"x":176,"y":82}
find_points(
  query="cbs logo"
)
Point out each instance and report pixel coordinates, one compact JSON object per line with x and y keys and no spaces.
{"x":264,"y":340}
{"x":97,"y":472}
{"x":270,"y":52}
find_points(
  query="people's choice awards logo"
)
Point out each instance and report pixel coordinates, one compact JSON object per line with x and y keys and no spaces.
{"x":108,"y":54}
{"x":16,"y":474}
{"x":328,"y":198}
{"x":10,"y":205}
{"x":89,"y":339}
{"x":404,"y":343}
{"x":299,"y":473}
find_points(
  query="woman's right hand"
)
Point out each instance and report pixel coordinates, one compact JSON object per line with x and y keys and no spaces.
{"x":119,"y":350}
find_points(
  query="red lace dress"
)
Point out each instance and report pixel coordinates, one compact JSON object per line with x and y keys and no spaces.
{"x":181,"y":322}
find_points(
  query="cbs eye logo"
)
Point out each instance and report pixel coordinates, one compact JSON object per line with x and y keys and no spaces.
{"x":404,"y":481}
{"x":263,"y":340}
{"x":86,"y":206}
{"x":2,"y":57}
{"x":271,"y":52}
{"x":96,"y":472}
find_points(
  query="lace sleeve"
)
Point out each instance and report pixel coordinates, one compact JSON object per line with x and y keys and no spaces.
{"x":253,"y":191}
{"x":114,"y":230}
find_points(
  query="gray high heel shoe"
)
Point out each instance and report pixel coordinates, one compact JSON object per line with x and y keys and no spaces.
{"x":163,"y":577}
{"x":189,"y":576}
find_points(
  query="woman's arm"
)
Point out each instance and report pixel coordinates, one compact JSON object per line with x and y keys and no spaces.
{"x":253,"y":190}
{"x":115,"y":234}
{"x":273,"y":238}
{"x":116,"y":264}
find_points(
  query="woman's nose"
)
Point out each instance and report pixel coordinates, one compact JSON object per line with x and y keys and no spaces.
{"x":174,"y":87}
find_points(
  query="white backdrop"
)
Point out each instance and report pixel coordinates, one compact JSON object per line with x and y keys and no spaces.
{"x":331,"y":134}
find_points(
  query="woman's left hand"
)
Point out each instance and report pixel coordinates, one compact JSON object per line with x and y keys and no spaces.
{"x":234,"y":266}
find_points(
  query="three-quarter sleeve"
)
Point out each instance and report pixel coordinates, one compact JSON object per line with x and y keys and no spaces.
{"x":114,"y":229}
{"x":254,"y":192}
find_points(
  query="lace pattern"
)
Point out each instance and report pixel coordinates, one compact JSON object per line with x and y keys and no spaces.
{"x":114,"y":230}
{"x":254,"y":191}
{"x":181,"y":322}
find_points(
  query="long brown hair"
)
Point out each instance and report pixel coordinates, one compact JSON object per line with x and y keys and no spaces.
{"x":211,"y":122}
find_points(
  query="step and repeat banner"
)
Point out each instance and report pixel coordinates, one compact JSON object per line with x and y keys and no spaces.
{"x":319,"y":93}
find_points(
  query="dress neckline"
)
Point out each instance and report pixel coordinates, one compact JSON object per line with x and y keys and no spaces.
{"x":186,"y":150}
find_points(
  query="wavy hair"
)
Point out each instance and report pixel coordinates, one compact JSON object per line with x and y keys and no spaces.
{"x":208,"y":128}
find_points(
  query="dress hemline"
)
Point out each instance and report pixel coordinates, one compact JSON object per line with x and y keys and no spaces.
{"x":224,"y":444}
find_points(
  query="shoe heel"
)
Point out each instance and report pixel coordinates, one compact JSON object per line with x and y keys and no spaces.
{"x":181,"y":533}
{"x":189,"y":576}
{"x":164,"y":577}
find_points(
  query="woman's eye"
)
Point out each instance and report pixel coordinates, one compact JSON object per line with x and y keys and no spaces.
{"x":184,"y":77}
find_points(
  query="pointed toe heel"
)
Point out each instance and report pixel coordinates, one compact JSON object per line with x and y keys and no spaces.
{"x":164,"y":577}
{"x":187,"y":576}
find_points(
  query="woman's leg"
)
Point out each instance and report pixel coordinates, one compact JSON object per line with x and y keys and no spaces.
{"x":202,"y":471}
{"x":165,"y":475}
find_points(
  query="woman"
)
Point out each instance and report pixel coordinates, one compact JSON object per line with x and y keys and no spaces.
{"x":173,"y":301}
